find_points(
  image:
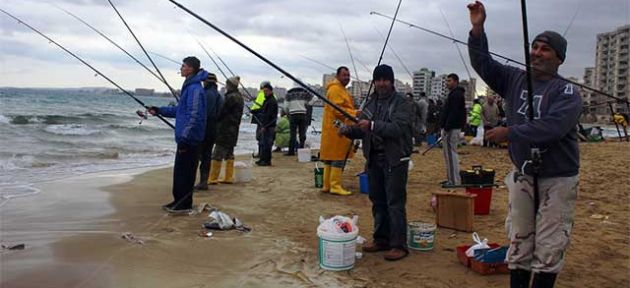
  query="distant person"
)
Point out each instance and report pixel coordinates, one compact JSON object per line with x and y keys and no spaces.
{"x":490,"y":116}
{"x":227,"y":133}
{"x":385,"y":128}
{"x":452,"y":120}
{"x":255,"y":109}
{"x":267,"y":118}
{"x":190,"y":125}
{"x":422,"y":111}
{"x":433,"y":118}
{"x":474,"y":118}
{"x":296,"y":102}
{"x":282,"y":132}
{"x":539,"y":232}
{"x":414,"y":115}
{"x":215,"y":101}
{"x":334,"y":148}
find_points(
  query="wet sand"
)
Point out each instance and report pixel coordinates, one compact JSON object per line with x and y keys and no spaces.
{"x":73,"y":230}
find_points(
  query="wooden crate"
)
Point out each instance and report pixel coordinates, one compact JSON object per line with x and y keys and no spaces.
{"x":455,"y":210}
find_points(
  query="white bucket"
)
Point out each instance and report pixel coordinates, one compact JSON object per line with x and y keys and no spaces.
{"x":242,"y":172}
{"x":304,"y":155}
{"x":337,"y":251}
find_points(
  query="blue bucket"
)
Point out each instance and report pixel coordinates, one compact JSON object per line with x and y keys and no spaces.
{"x":431,"y":139}
{"x":364,"y":187}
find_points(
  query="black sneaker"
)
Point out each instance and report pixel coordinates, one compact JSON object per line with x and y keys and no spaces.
{"x":177,"y":210}
{"x":263,"y":163}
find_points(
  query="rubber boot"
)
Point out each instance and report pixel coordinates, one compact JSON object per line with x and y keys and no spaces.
{"x":335,"y":182}
{"x":544,"y":280}
{"x":229,"y":172}
{"x":203,"y":180}
{"x":215,"y":170}
{"x":519,"y":278}
{"x":326,"y":186}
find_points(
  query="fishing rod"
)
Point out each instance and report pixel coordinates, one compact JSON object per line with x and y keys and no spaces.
{"x":227,"y":78}
{"x":233,"y":74}
{"x":391,"y":49}
{"x":459,"y":51}
{"x":110,"y":40}
{"x":85,"y":63}
{"x":502,"y":57}
{"x":354,"y":66}
{"x":145,"y":51}
{"x":166,"y":58}
{"x":612,"y":117}
{"x":536,"y":160}
{"x":380,"y":58}
{"x":325,"y":65}
{"x":285,"y":73}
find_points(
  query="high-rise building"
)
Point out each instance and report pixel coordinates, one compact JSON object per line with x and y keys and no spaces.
{"x":422,"y":81}
{"x":401,"y":87}
{"x":587,"y":95}
{"x":359,"y":90}
{"x":470,"y":85}
{"x":611,"y":69}
{"x":438,"y":88}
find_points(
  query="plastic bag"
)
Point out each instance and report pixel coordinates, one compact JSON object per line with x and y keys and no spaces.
{"x":480,"y":245}
{"x":338,"y":224}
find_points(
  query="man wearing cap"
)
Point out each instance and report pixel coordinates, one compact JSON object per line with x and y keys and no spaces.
{"x":538,"y":239}
{"x":267,"y":119}
{"x":227,"y":133}
{"x":256,"y":107}
{"x":190,"y":125}
{"x":215,"y":101}
{"x":385,"y":128}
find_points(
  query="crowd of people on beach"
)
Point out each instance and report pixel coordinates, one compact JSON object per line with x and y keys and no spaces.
{"x":542,"y":145}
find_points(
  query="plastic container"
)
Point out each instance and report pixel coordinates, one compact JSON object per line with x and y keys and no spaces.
{"x":431,"y":139}
{"x":318,"y":174}
{"x":461,"y":253}
{"x":483,"y":199}
{"x":242,"y":172}
{"x":364,"y":186}
{"x":420,"y":235}
{"x":304,"y":155}
{"x":337,"y":252}
{"x":477,"y":176}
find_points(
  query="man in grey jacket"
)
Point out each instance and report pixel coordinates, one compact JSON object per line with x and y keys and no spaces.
{"x":385,"y":128}
{"x":538,"y":239}
{"x":296,"y":106}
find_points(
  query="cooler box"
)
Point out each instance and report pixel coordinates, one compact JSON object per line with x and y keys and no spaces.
{"x":477,"y":176}
{"x":483,"y":199}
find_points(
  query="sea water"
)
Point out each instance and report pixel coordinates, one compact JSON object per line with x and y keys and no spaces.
{"x":48,"y":134}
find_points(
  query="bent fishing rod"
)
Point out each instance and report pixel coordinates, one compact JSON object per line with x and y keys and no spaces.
{"x":85,"y":63}
{"x":380,"y":58}
{"x":166,"y":58}
{"x":459,"y":51}
{"x":391,"y":49}
{"x":227,"y":78}
{"x":110,"y":41}
{"x":333,"y":69}
{"x":145,"y":51}
{"x":411,"y":25}
{"x":251,"y":98}
{"x":282,"y":71}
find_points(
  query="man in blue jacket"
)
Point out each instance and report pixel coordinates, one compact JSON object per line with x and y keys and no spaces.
{"x":538,"y":237}
{"x":190,"y":124}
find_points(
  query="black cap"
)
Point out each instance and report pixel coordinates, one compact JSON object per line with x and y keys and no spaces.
{"x":556,"y":41}
{"x":383,"y":72}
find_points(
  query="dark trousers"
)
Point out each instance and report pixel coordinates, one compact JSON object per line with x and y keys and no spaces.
{"x":266,"y":143}
{"x":388,"y":193}
{"x":184,"y":174}
{"x":297,"y":123}
{"x":205,"y":151}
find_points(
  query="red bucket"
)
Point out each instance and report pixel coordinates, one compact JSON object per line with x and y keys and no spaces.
{"x":483,"y":199}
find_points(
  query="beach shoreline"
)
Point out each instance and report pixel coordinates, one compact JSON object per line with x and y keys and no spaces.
{"x":282,"y":207}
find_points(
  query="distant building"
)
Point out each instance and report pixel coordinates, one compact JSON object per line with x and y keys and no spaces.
{"x":470,"y":85}
{"x":401,"y":87}
{"x":587,"y":95}
{"x":144,"y":92}
{"x":421,"y":81}
{"x":327,"y":78}
{"x":611,"y":70}
{"x":438,"y":88}
{"x":359,"y":90}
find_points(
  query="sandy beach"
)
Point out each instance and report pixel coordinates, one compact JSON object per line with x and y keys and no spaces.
{"x":72,"y":229}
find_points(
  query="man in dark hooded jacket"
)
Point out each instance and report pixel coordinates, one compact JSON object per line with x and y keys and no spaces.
{"x":452,"y":120}
{"x":215,"y":101}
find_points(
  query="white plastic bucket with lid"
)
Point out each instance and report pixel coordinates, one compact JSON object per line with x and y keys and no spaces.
{"x":304,"y":155}
{"x":242,"y":172}
{"x":337,"y":250}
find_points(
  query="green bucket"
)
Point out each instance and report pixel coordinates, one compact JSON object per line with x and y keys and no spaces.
{"x":319,"y":176}
{"x":420,"y":235}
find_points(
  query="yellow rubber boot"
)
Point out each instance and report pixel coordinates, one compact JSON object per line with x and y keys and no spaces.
{"x":215,"y":170}
{"x":229,"y":172}
{"x":326,"y":186}
{"x":335,"y":182}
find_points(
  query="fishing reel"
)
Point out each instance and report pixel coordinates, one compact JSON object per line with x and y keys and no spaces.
{"x":143,"y":115}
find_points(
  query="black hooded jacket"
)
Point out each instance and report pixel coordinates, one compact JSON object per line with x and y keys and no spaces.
{"x":453,"y":115}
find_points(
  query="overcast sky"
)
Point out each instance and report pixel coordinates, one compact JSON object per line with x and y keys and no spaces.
{"x":284,"y":31}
